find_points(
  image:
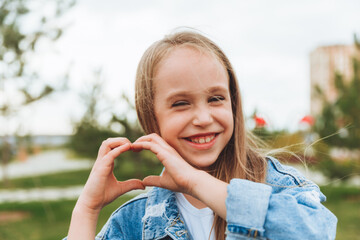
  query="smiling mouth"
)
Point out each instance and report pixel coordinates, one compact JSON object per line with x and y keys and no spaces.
{"x":202,"y":139}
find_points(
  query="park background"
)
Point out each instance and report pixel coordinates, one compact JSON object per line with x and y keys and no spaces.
{"x":67,"y":74}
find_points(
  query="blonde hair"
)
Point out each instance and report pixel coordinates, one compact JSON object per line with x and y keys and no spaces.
{"x":241,"y":158}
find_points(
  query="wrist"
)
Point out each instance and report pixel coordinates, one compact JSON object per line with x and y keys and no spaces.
{"x":82,"y":209}
{"x":201,"y":182}
{"x":212,"y":192}
{"x":83,"y":222}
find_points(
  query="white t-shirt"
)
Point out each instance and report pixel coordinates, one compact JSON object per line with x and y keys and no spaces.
{"x":198,"y":221}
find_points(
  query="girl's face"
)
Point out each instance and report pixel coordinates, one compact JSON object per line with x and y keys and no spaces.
{"x":192,"y":105}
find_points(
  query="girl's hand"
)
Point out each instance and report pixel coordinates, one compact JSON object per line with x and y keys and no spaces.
{"x":102,"y":187}
{"x":178,"y":175}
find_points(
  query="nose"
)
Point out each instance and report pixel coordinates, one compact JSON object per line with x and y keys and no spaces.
{"x":202,"y":117}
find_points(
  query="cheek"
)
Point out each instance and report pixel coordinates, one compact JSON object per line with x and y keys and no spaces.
{"x":170,"y":126}
{"x":225,"y":117}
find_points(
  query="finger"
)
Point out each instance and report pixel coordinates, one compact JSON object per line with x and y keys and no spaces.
{"x":144,"y":138}
{"x":152,"y":181}
{"x":162,"y":154}
{"x":111,"y":143}
{"x":153,"y":147}
{"x":115,"y":142}
{"x":136,"y":148}
{"x":153,"y":138}
{"x":111,"y":155}
{"x":130,"y":184}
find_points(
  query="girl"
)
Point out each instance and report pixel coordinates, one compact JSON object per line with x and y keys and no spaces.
{"x":215,"y":184}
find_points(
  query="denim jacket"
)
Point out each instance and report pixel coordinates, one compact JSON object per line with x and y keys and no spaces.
{"x":287,"y":207}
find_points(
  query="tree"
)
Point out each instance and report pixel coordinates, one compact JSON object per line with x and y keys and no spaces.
{"x":89,"y":132}
{"x":20,"y":86}
{"x":338,"y":125}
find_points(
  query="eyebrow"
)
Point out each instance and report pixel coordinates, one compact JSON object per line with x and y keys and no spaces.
{"x":179,"y":94}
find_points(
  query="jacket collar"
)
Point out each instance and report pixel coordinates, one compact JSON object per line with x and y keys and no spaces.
{"x":162,"y":216}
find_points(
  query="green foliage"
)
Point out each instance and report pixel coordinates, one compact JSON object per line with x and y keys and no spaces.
{"x":89,"y":133}
{"x":286,"y":146}
{"x":341,"y":193}
{"x":17,"y":43}
{"x":130,"y":129}
{"x":344,"y":203}
{"x":338,"y":125}
{"x":126,"y":170}
{"x":88,"y":138}
{"x":19,"y":84}
{"x":282,"y":144}
{"x":335,"y":170}
{"x":342,"y":116}
{"x":63,"y":179}
{"x":267,"y":135}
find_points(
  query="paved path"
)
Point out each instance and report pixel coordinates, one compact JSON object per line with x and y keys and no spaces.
{"x":57,"y":161}
{"x":44,"y":163}
{"x":47,"y":194}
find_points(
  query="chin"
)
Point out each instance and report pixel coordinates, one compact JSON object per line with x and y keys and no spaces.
{"x":202,"y":164}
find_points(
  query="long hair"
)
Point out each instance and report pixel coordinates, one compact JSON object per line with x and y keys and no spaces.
{"x":241,"y":158}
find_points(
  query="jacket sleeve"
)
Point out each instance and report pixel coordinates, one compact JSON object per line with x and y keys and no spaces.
{"x":287,"y":207}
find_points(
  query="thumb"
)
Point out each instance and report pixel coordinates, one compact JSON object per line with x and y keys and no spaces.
{"x":129,"y":185}
{"x":152,"y":181}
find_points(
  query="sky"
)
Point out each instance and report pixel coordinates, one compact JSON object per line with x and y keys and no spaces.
{"x":267,"y":42}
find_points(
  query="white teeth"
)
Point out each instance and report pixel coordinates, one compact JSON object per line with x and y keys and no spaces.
{"x":202,"y":140}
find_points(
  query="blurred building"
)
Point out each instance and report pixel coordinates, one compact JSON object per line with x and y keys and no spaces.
{"x":325,"y":61}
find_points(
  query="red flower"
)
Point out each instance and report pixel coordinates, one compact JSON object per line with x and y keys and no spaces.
{"x":260,"y":122}
{"x":308,"y":120}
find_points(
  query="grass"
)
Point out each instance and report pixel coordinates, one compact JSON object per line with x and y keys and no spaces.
{"x":73,"y":178}
{"x":50,"y":220}
{"x":46,"y":220}
{"x":344,"y":202}
{"x":63,"y":179}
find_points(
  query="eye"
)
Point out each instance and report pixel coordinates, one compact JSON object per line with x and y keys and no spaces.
{"x":179,"y":103}
{"x":216,"y":99}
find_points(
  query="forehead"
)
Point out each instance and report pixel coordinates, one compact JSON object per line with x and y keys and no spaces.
{"x":189,"y":69}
